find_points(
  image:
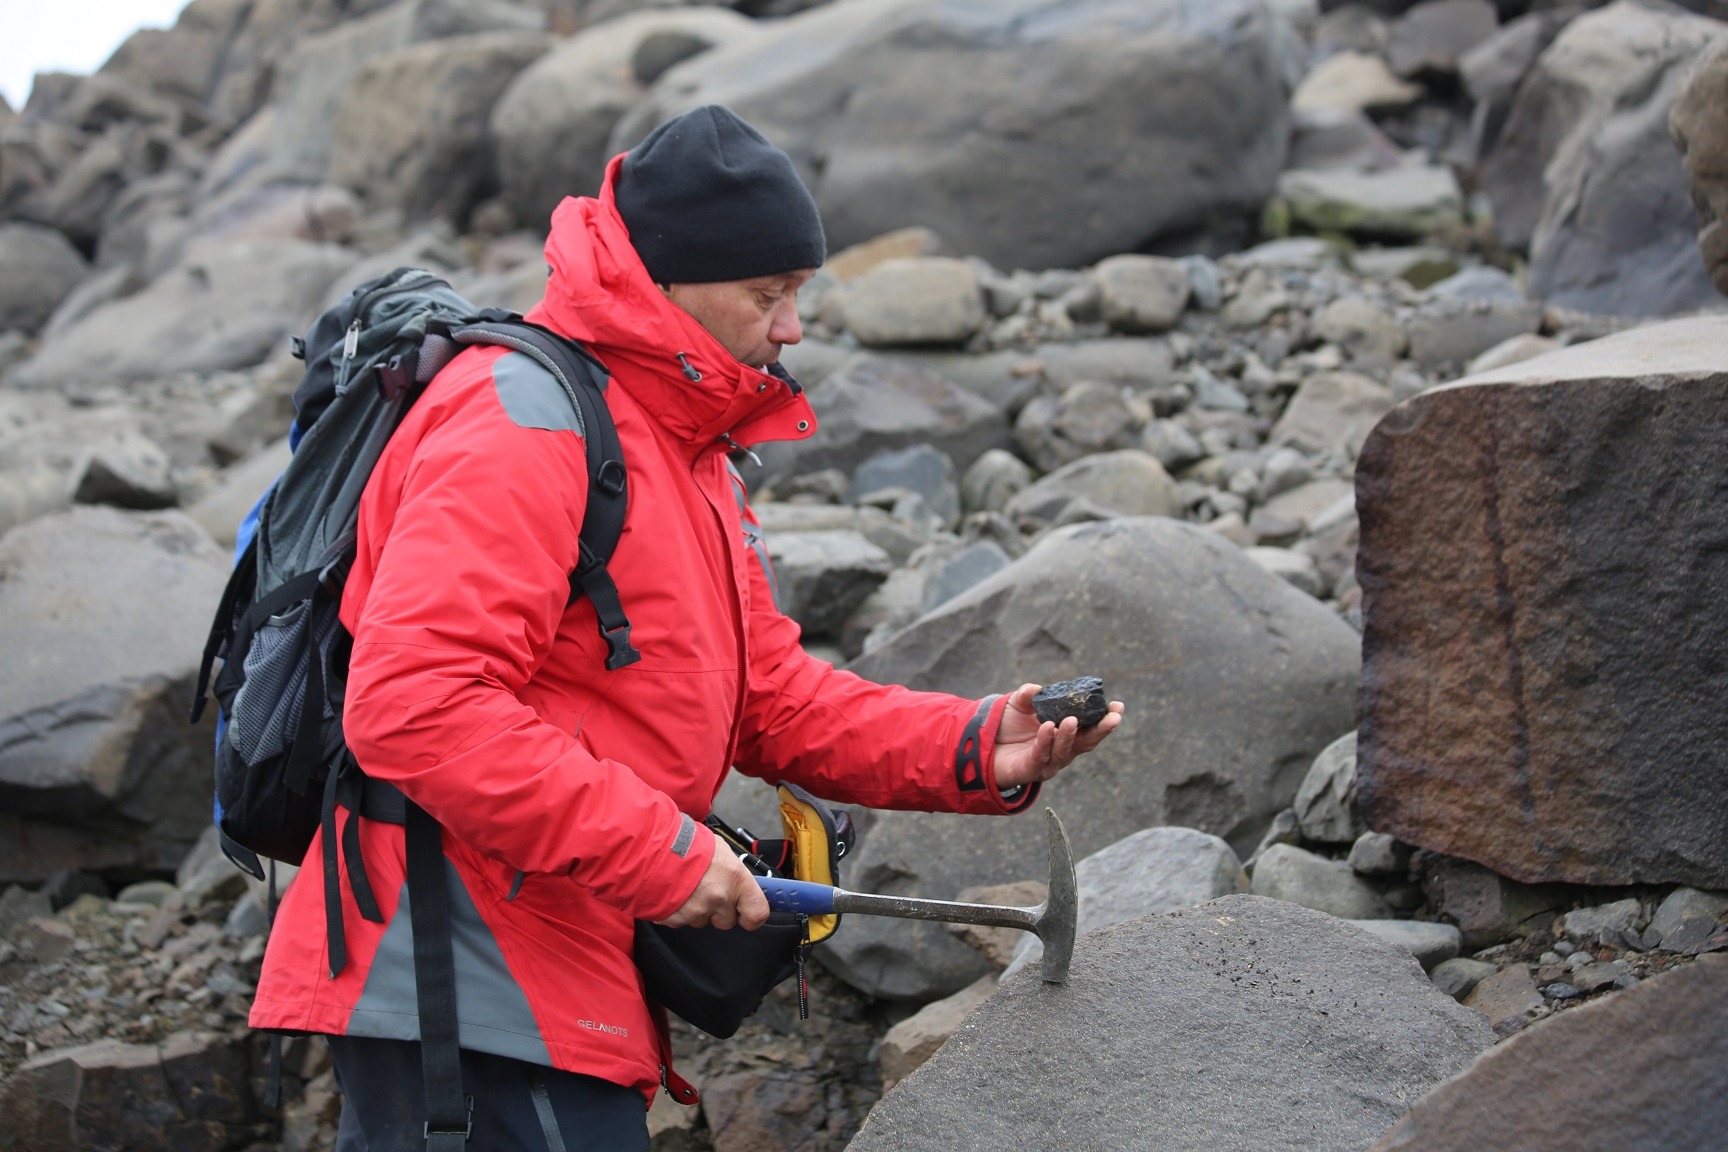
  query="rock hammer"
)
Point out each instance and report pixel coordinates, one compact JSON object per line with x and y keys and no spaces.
{"x":1053,"y":921}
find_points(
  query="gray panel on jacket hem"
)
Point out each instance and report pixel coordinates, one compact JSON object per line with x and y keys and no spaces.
{"x":485,"y":990}
{"x":532,"y":396}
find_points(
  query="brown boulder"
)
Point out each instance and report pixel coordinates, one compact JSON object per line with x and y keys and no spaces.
{"x":1645,"y":1070}
{"x":191,"y":1093}
{"x":1544,"y":651}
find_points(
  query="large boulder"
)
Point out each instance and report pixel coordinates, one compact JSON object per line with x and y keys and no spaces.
{"x":1701,"y":131}
{"x":38,"y":268}
{"x":180,"y":62}
{"x":1404,"y":203}
{"x":1241,"y":1024}
{"x":975,"y":120}
{"x":313,"y":79}
{"x":871,"y":405}
{"x":553,"y":122}
{"x":191,"y":1093}
{"x":1195,"y":637}
{"x":412,"y":133}
{"x":102,"y":618}
{"x":1124,"y":483}
{"x":1544,"y":648}
{"x":225,"y":309}
{"x":1645,"y":1069}
{"x":1586,"y":173}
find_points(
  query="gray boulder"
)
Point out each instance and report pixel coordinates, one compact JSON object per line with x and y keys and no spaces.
{"x":1686,"y":913}
{"x":313,"y":78}
{"x":1087,"y":418}
{"x":820,"y":577}
{"x":229,"y":309}
{"x":1645,"y":1070}
{"x":1125,"y":483}
{"x":1585,"y":172}
{"x":993,"y":480}
{"x":1614,"y":925}
{"x":1407,"y":202}
{"x":1432,"y":944}
{"x":1445,"y":336}
{"x":1432,"y":35}
{"x":1279,"y":669}
{"x":1142,"y":293}
{"x":914,"y":300}
{"x":1326,"y":802}
{"x":951,"y":575}
{"x":1332,"y":412}
{"x":1285,"y":872}
{"x":1486,"y":906}
{"x":1369,"y":334}
{"x":1233,"y":1025}
{"x":870,"y":405}
{"x":552,"y":123}
{"x":412,"y":132}
{"x":920,"y":470}
{"x":1153,"y":872}
{"x":1458,"y":976}
{"x":973,"y":120}
{"x":39,"y":267}
{"x":94,"y":745}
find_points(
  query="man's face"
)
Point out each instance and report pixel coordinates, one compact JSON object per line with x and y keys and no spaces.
{"x":752,"y":318}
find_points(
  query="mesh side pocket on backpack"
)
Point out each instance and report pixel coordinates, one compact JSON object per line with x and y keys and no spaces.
{"x":265,"y":715}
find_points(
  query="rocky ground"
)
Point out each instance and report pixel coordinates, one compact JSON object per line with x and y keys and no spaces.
{"x":1128,"y":363}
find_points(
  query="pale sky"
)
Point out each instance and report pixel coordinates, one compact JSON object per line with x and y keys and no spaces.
{"x":68,"y":36}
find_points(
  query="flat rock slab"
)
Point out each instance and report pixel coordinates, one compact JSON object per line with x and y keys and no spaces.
{"x":1644,"y":1070}
{"x":1544,"y":559}
{"x":1241,"y":1024}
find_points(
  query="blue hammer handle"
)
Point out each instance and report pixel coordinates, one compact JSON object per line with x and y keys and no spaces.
{"x":797,"y":896}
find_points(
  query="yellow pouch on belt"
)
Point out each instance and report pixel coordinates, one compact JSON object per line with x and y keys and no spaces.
{"x":814,"y":838}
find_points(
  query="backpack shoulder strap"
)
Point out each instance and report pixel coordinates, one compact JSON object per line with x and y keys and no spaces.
{"x":584,"y":380}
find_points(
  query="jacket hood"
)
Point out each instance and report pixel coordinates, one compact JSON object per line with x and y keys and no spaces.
{"x":600,"y":293}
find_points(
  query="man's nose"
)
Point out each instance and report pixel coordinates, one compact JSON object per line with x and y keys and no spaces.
{"x":785,"y":327}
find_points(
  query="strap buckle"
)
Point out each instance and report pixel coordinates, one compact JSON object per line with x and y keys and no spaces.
{"x":618,"y":645}
{"x":467,"y":1134}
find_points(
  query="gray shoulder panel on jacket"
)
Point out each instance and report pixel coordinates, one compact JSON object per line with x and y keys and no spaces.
{"x":532,"y":396}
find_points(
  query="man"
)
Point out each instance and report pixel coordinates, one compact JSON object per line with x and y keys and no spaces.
{"x":568,"y":794}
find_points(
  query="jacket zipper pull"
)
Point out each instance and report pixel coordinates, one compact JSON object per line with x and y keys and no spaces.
{"x":690,"y":372}
{"x":351,"y":343}
{"x":737,"y":447}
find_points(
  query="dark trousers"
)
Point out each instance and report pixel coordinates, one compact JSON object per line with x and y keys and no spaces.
{"x":518,"y":1107}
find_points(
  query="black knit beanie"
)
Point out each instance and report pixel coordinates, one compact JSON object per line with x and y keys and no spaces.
{"x":706,"y":198}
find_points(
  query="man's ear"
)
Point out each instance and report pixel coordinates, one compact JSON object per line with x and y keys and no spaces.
{"x":665,"y":290}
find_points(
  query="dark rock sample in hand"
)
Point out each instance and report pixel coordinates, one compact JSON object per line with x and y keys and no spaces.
{"x":1082,"y":698}
{"x":1543,"y":561}
{"x":1646,"y":1068}
{"x":1231,"y":1025}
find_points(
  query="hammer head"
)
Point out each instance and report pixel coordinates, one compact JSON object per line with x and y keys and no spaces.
{"x":1061,"y":912}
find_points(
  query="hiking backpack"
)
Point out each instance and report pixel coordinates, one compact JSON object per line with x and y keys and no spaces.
{"x":282,"y":765}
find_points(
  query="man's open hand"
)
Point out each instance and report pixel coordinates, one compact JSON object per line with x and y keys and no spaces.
{"x":726,"y":895}
{"x":1028,"y":750}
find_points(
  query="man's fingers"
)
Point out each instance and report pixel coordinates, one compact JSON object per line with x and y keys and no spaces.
{"x":752,"y":907}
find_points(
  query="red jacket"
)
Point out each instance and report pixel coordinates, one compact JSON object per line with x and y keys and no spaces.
{"x":569,"y":794}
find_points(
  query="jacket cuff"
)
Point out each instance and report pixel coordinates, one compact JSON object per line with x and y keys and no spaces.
{"x":683,"y":862}
{"x":975,"y":759}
